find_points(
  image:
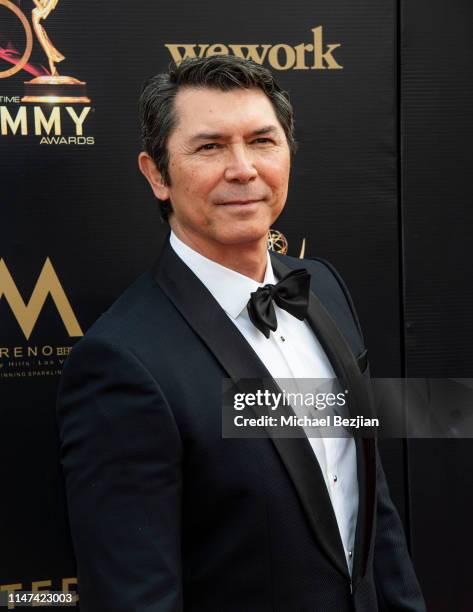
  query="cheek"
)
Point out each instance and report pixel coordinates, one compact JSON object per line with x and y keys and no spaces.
{"x":199,"y":181}
{"x":276,"y":162}
{"x":276,"y":175}
{"x":188,"y":185}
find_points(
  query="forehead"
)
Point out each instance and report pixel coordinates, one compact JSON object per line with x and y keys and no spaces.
{"x":201,"y":109}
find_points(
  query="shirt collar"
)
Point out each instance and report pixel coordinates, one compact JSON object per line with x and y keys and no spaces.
{"x":231,"y":289}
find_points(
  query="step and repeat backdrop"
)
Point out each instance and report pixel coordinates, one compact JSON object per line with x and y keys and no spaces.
{"x":378,"y":187}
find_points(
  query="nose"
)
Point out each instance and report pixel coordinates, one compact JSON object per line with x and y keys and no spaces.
{"x":240,"y":167}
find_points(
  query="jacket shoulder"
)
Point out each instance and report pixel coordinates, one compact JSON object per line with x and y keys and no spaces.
{"x":325,"y":267}
{"x":329,"y":286}
{"x":131,"y":317}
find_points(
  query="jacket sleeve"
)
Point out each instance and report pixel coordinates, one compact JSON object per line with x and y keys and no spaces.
{"x":121,"y":455}
{"x":396,"y":583}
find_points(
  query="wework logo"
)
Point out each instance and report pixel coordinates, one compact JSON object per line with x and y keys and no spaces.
{"x":27,"y":314}
{"x":311,"y":56}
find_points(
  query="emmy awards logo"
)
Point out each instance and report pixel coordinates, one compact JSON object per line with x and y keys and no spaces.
{"x":53,"y":87}
{"x":277,"y":242}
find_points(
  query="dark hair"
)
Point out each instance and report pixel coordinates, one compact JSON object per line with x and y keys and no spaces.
{"x":224,"y":72}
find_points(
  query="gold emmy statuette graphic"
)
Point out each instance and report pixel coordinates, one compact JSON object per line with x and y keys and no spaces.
{"x":53,"y":88}
{"x":277,"y":242}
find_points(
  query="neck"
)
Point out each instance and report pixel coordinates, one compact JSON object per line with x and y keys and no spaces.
{"x":248,"y":259}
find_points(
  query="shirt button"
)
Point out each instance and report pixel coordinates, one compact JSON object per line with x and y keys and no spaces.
{"x":335,"y":478}
{"x":282,"y":338}
{"x":350,"y":554}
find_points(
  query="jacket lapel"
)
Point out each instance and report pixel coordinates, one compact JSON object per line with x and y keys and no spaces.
{"x":209,"y":321}
{"x":359,"y":403}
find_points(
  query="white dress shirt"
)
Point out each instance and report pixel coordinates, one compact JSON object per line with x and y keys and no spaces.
{"x":291,"y":352}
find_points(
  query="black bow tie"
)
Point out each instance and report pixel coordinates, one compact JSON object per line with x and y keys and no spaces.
{"x":291,"y":294}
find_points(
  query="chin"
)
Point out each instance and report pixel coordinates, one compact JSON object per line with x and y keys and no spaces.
{"x":239,"y":234}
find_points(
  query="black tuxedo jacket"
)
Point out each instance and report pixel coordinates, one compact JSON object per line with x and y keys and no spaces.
{"x":167,"y":515}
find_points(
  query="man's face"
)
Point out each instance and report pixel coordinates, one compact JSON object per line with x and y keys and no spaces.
{"x":229,"y":167}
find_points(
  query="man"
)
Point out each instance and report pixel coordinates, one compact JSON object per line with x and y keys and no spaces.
{"x":167,"y":514}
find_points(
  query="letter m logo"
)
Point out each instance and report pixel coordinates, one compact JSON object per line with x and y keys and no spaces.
{"x":27,"y":314}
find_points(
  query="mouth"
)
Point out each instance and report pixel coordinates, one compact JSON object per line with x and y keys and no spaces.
{"x":240,"y":202}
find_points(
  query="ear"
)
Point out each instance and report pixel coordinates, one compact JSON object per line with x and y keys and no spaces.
{"x":148,"y":167}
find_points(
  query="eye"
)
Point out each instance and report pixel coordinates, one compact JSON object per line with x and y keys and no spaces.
{"x":210,"y":146}
{"x":263,"y":140}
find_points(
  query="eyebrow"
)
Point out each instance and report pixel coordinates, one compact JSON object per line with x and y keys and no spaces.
{"x":267,"y":129}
